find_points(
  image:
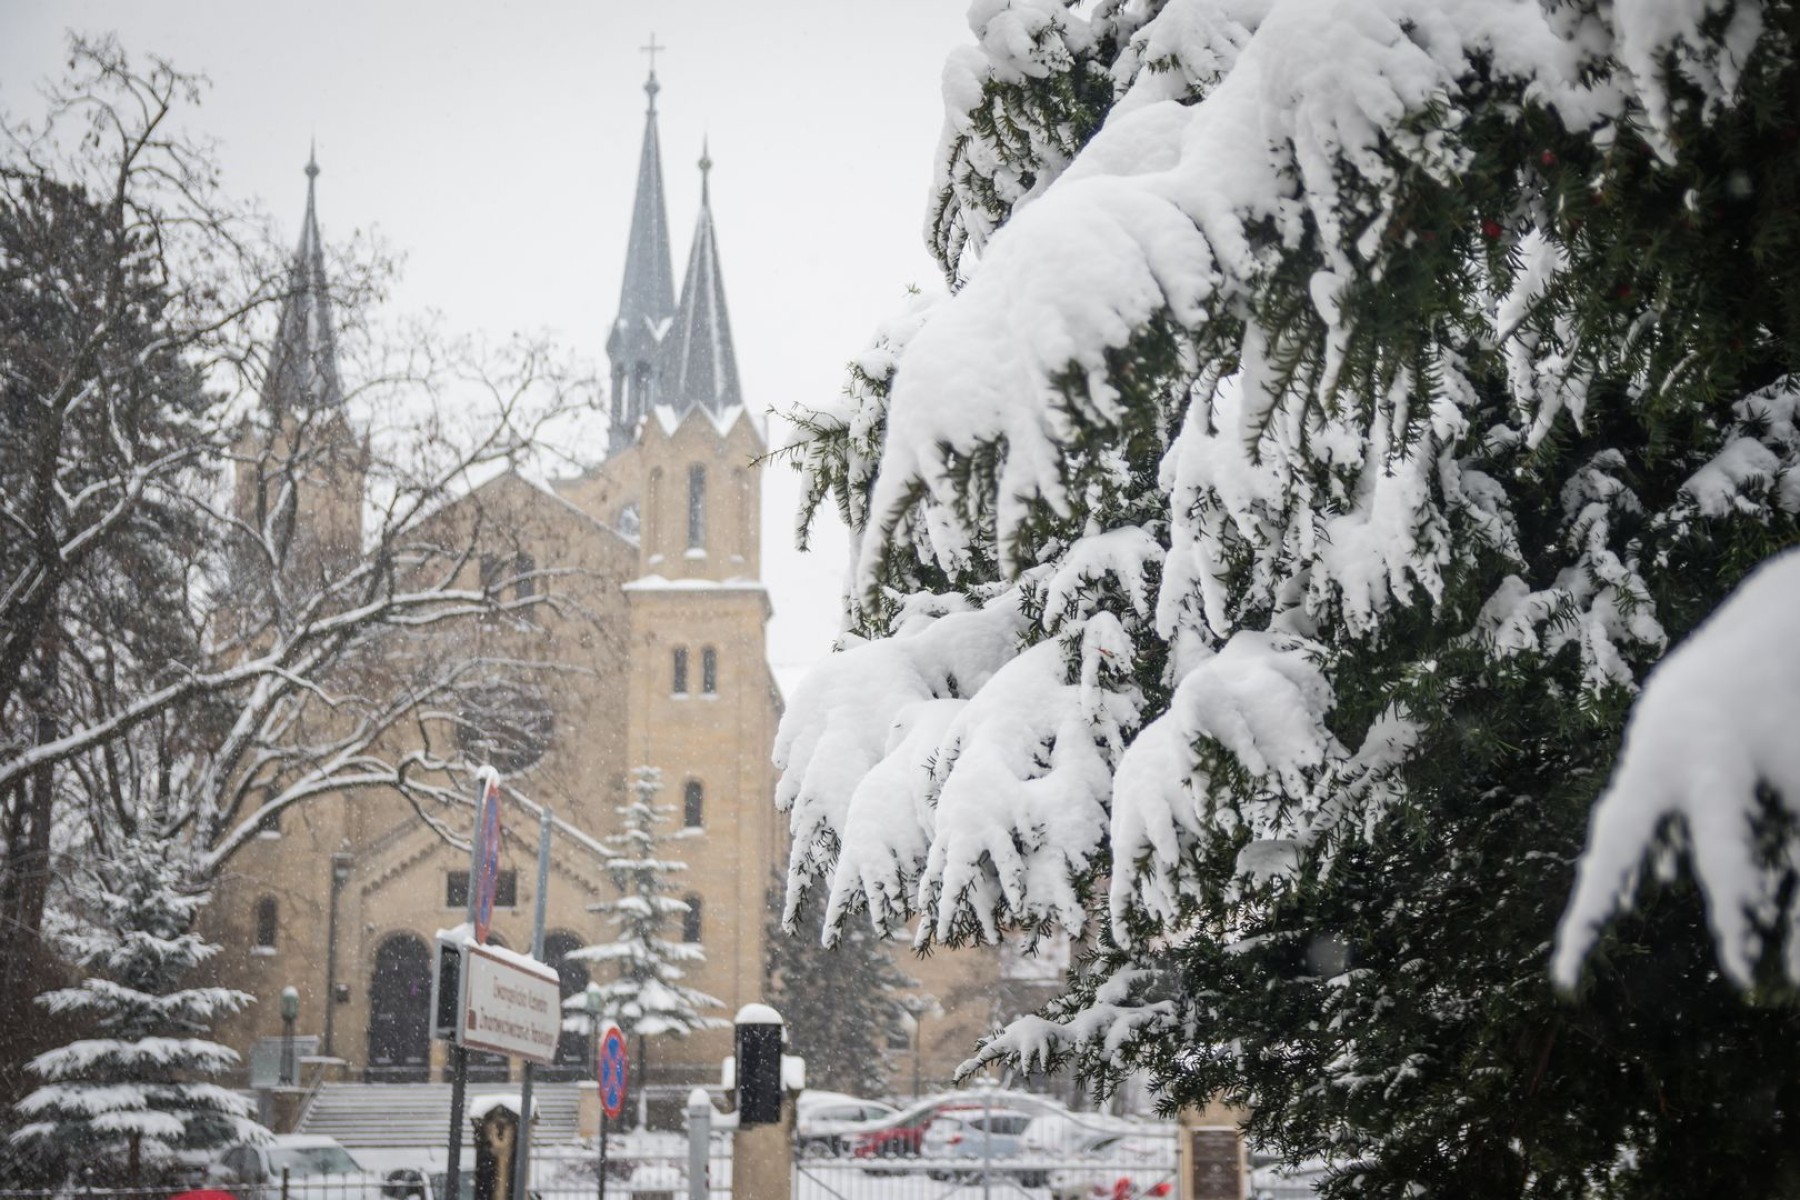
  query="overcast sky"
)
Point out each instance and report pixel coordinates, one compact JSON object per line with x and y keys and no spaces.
{"x":496,"y":145}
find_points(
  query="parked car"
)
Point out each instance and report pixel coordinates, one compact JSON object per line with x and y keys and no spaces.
{"x":317,"y":1168}
{"x":899,"y":1136}
{"x":975,"y":1135}
{"x":824,"y":1122}
{"x":1126,"y":1166}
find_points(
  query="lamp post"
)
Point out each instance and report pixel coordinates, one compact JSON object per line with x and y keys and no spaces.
{"x":916,"y":1008}
{"x":340,"y":872}
{"x":290,"y":1011}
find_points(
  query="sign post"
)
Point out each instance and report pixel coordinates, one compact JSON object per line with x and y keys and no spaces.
{"x":612,"y":1087}
{"x":522,"y":1167}
{"x":485,"y":880}
{"x":489,"y":783}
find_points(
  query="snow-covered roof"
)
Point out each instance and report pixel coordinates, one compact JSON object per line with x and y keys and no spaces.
{"x":661,"y":583}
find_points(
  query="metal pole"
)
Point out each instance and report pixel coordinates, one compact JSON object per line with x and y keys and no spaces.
{"x":459,"y":1054}
{"x":603,"y":1150}
{"x":522,"y":1151}
{"x":987,"y":1142}
{"x":699,"y":1142}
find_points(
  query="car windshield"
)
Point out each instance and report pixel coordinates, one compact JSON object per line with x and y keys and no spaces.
{"x":312,"y":1160}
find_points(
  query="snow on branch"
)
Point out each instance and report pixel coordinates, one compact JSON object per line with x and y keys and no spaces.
{"x":1711,"y":769}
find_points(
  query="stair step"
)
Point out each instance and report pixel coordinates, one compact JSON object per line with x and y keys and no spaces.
{"x":416,"y":1115}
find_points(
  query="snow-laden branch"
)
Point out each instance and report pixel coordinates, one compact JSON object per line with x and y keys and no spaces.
{"x":1711,"y":770}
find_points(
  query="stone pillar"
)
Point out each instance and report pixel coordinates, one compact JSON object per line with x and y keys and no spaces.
{"x":587,"y":1113}
{"x":762,"y":1156}
{"x":1211,"y":1161}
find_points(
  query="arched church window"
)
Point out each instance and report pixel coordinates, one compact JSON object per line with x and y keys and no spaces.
{"x":681,"y":671}
{"x":268,"y":924}
{"x":690,"y":920}
{"x":693,"y":804}
{"x":523,"y":565}
{"x":709,"y":671}
{"x":696,"y":507}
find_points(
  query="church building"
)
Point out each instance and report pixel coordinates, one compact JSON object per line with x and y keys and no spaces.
{"x":657,"y":642}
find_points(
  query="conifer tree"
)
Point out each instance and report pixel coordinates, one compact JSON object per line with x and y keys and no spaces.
{"x":648,"y":997}
{"x":1336,"y":413}
{"x":844,"y":1004}
{"x":117,"y":1105}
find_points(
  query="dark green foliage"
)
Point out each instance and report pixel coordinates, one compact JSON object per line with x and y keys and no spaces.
{"x":845,"y":1006}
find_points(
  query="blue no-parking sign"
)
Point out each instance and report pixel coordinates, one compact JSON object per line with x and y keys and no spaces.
{"x":612,"y":1071}
{"x":487,"y":871}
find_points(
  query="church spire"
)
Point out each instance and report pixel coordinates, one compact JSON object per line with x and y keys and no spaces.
{"x":303,"y":369}
{"x":647,"y":297}
{"x":699,"y":364}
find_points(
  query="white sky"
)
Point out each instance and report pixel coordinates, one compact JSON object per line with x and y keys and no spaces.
{"x":496,"y":145}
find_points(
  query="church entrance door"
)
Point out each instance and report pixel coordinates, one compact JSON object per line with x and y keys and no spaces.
{"x":400,"y":1012}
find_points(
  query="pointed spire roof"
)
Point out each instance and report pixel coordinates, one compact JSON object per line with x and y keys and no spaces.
{"x":699,"y":368}
{"x":303,"y":369}
{"x":647,"y":298}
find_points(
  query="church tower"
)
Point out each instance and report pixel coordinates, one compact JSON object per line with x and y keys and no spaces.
{"x":647,"y":297}
{"x":302,"y":469}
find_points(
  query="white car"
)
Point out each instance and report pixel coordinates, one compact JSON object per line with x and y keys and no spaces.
{"x":822,"y":1120}
{"x":971,"y":1136}
{"x":316,"y":1168}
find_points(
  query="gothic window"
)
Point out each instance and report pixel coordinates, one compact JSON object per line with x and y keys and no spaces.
{"x":267,"y":923}
{"x":456,"y":889}
{"x":690,"y":920}
{"x":680,"y":688}
{"x":523,"y":565}
{"x":709,"y":671}
{"x":696,"y":507}
{"x":693,"y":804}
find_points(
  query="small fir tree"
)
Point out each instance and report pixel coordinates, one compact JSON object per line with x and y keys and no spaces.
{"x":120,"y":1103}
{"x":648,"y":998}
{"x":844,"y":1004}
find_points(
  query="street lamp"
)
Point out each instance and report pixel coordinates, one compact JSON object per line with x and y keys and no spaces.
{"x":596,"y":1001}
{"x":290,"y":1011}
{"x":915,"y":1008}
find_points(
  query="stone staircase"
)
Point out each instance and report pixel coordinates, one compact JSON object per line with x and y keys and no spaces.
{"x":417,"y":1115}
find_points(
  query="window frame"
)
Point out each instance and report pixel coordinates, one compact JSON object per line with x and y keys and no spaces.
{"x":693,"y":805}
{"x":678,"y":670}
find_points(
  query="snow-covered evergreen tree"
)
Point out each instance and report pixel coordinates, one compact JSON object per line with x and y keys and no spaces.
{"x":647,"y":998}
{"x":845,"y":1005}
{"x":117,"y":1105}
{"x":1337,"y":410}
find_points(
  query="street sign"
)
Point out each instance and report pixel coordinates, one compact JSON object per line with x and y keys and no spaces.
{"x":487,"y":871}
{"x":612,"y":1071}
{"x":514,"y":1005}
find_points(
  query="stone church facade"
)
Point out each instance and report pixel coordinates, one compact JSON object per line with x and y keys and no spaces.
{"x":656,"y":633}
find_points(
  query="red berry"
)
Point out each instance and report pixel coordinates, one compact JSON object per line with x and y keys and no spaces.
{"x":1490,"y":228}
{"x":1623,"y":291}
{"x":1548,"y":158}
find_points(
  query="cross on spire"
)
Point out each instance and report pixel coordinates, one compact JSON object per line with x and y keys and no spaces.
{"x":651,"y":87}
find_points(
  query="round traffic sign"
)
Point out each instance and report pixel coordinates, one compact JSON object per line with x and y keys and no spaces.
{"x":612,"y":1071}
{"x":487,"y":873}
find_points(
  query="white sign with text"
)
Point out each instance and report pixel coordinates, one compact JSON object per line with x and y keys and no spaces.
{"x":513,"y":1005}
